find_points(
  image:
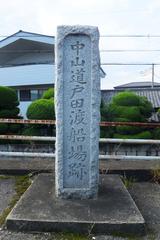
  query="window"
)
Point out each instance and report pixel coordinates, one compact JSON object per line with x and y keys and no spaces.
{"x":34,"y":95}
{"x":25,"y":95}
{"x":31,"y":94}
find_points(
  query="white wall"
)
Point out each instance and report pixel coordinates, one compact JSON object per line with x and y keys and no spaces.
{"x":33,"y":58}
{"x":23,"y":108}
{"x":27,"y":75}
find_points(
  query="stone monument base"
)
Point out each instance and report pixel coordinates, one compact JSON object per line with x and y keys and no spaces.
{"x":113,"y":211}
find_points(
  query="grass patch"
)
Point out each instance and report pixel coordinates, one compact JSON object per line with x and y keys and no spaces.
{"x":4,"y":177}
{"x":128,"y":181}
{"x":127,"y":236}
{"x":64,"y":236}
{"x":156,"y":174}
{"x":68,"y":236}
{"x":21,"y":185}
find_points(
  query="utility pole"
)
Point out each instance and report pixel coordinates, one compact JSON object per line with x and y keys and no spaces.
{"x":152,"y":75}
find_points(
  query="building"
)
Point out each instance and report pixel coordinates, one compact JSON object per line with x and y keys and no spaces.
{"x":27,"y":64}
{"x":147,"y":89}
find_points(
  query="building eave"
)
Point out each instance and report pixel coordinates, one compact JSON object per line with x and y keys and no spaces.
{"x":27,"y":36}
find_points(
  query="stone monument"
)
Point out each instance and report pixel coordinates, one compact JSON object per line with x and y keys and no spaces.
{"x":68,"y":202}
{"x":77,"y":111}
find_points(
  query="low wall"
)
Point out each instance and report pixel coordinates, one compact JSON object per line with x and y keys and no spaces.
{"x":130,"y":149}
{"x":105,"y":148}
{"x":44,"y":148}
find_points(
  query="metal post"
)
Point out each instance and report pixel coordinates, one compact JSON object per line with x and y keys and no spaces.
{"x":152,"y":75}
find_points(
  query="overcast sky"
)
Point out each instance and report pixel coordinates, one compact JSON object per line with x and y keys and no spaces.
{"x":111,"y":16}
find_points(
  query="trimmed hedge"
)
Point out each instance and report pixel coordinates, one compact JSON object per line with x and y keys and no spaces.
{"x":48,"y":94}
{"x":141,"y":135}
{"x":9,"y":109}
{"x":8,"y":98}
{"x":129,"y":107}
{"x":41,"y":109}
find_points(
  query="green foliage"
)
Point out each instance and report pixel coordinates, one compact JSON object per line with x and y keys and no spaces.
{"x":156,"y":174}
{"x":129,"y":107}
{"x":146,"y":107}
{"x":3,"y":128}
{"x":48,"y":94}
{"x":128,"y":181}
{"x":127,"y":129}
{"x":141,"y":135}
{"x":156,"y":133}
{"x":67,"y":236}
{"x":126,"y":99}
{"x":32,"y":131}
{"x":15,"y":128}
{"x":158,"y":114}
{"x":41,"y":109}
{"x":8,"y":98}
{"x":103,"y":110}
{"x":105,"y":132}
{"x":21,"y":185}
{"x":8,"y":109}
{"x":9,"y":113}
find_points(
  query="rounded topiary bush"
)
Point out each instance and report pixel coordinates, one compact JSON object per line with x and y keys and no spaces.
{"x":41,"y":109}
{"x":126,"y":99}
{"x":9,"y":109}
{"x":129,"y":107}
{"x":48,"y":94}
{"x":8,"y":98}
{"x":9,"y":113}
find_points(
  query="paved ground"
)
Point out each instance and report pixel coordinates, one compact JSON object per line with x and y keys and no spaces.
{"x":146,"y":196}
{"x":6,"y":192}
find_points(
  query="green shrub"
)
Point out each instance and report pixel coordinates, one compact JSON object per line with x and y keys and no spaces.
{"x":156,"y":133}
{"x":48,"y":94}
{"x":41,"y":109}
{"x":15,"y":128}
{"x":9,"y":113}
{"x":126,"y":99}
{"x":129,"y":107}
{"x":3,"y":128}
{"x":8,"y":98}
{"x":9,"y":109}
{"x":32,"y":131}
{"x":127,"y":130}
{"x":141,"y":135}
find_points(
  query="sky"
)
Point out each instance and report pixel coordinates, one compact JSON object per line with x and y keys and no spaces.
{"x":113,"y":17}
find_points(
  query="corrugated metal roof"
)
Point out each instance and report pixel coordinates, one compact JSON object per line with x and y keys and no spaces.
{"x":153,"y":95}
{"x":137,"y":85}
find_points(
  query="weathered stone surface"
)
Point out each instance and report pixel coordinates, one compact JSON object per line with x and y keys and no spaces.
{"x":77,"y":111}
{"x":113,"y":211}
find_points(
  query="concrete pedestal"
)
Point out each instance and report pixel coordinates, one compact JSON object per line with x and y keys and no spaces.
{"x":113,"y":211}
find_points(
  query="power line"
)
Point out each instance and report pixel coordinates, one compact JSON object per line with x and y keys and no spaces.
{"x":102,"y":36}
{"x":102,"y":51}
{"x":130,"y":36}
{"x":130,"y":50}
{"x":132,"y":64}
